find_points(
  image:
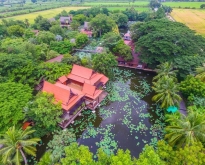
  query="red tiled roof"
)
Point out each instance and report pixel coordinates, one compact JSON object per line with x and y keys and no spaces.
{"x":95,"y":77}
{"x":88,"y":32}
{"x":56,"y":59}
{"x":82,"y":71}
{"x":63,"y":79}
{"x":96,"y":94}
{"x":76,"y":78}
{"x":60,"y":94}
{"x":104,"y":79}
{"x":88,"y":89}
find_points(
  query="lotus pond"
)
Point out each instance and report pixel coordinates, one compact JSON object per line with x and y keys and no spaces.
{"x":126,"y":119}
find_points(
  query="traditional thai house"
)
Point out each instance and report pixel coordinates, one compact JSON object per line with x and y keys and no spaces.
{"x":65,"y":21}
{"x":127,"y":36}
{"x":80,"y":89}
{"x":86,"y":30}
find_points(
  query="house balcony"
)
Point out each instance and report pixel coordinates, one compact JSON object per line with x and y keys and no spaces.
{"x":69,"y":116}
{"x":94,"y":104}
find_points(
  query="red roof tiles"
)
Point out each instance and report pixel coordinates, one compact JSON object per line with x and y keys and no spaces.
{"x":63,"y":79}
{"x":89,"y":89}
{"x":82,"y":71}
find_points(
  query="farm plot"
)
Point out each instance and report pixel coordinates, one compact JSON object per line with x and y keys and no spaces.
{"x":183,"y":4}
{"x":194,"y":19}
{"x":46,"y":14}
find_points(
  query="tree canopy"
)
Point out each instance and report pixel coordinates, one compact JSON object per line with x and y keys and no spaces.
{"x":14,"y":97}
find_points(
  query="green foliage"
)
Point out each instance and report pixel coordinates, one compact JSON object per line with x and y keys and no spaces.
{"x":51,"y":54}
{"x":46,"y":159}
{"x":110,"y":40}
{"x":154,"y":4}
{"x":121,"y":158}
{"x":104,"y":63}
{"x":166,"y":92}
{"x":165,"y":70}
{"x":62,"y":47}
{"x":160,"y":13}
{"x":70,"y":60}
{"x":45,"y":37}
{"x":81,"y":39}
{"x":192,"y":87}
{"x":149,"y":157}
{"x":120,"y":19}
{"x":60,"y":140}
{"x":44,"y":112}
{"x":161,"y":40}
{"x":193,"y":154}
{"x":52,"y":71}
{"x":102,"y":24}
{"x":9,"y":45}
{"x":14,"y":97}
{"x":186,"y":130}
{"x":28,"y":34}
{"x":77,"y":155}
{"x":15,"y":143}
{"x":41,"y":23}
{"x":74,"y":25}
{"x":131,"y":14}
{"x":123,"y":50}
{"x":15,"y":30}
{"x":79,"y":18}
{"x":186,"y":64}
{"x":201,"y":73}
{"x":57,"y":30}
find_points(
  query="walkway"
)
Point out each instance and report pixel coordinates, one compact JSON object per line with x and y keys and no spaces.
{"x":183,"y":109}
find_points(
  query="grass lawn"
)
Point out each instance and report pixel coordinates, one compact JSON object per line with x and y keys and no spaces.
{"x":183,"y":4}
{"x":140,"y":3}
{"x":46,"y":13}
{"x":140,"y":9}
{"x":194,"y":19}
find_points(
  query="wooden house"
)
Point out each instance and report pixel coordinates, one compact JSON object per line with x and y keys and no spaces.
{"x":80,"y":89}
{"x":127,"y":36}
{"x":65,"y":21}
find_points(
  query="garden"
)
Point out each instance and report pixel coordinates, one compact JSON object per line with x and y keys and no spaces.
{"x":138,"y":123}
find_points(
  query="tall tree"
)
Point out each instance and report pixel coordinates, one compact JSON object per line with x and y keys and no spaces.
{"x":14,"y":97}
{"x":186,"y":130}
{"x":44,"y":112}
{"x":165,"y":69}
{"x":102,"y":24}
{"x":149,"y":157}
{"x":16,"y":143}
{"x":104,"y":63}
{"x":166,"y":91}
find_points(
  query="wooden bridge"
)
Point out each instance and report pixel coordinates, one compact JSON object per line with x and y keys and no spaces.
{"x":84,"y":50}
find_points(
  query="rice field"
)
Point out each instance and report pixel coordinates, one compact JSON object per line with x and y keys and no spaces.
{"x":139,"y":9}
{"x":194,"y":19}
{"x":183,"y":4}
{"x":46,"y":13}
{"x":140,"y":3}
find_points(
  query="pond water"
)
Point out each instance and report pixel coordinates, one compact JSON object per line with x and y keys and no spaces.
{"x":127,"y":119}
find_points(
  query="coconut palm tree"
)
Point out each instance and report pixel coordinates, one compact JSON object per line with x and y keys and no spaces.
{"x":16,"y":143}
{"x":201,"y":73}
{"x":165,"y":69}
{"x":186,"y":130}
{"x":166,"y":92}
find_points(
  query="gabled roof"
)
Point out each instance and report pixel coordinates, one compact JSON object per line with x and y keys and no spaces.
{"x":60,"y":94}
{"x":88,"y":89}
{"x":63,"y":79}
{"x":104,"y":79}
{"x":82,"y":71}
{"x":56,"y":59}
